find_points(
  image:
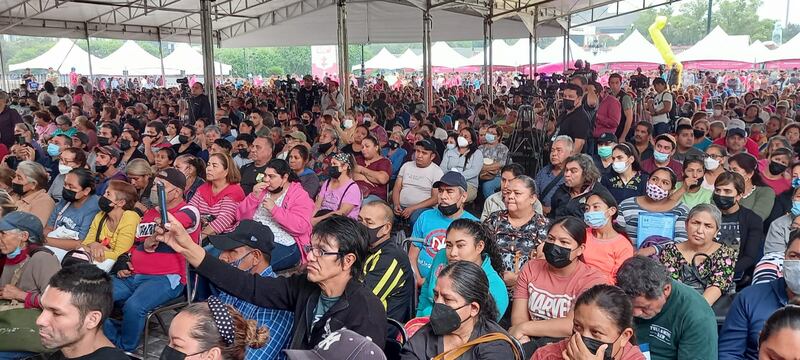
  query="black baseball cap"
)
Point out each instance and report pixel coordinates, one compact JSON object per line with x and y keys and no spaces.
{"x":426,"y":144}
{"x":452,"y":178}
{"x":248,"y":232}
{"x":607,"y":138}
{"x":173,"y":176}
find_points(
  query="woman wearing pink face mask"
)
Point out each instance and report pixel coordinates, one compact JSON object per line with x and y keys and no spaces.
{"x":656,"y":204}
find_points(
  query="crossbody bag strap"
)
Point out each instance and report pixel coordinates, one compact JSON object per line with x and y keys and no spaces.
{"x":552,"y":184}
{"x":455,"y":353}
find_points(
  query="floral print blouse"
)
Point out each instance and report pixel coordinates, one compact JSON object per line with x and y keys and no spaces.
{"x":716,"y":270}
{"x":516,"y":244}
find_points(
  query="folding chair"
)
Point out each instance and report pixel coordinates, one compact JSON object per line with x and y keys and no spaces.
{"x":175,"y":304}
{"x":395,"y":344}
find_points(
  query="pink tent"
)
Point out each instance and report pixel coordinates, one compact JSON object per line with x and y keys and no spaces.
{"x":783,"y":64}
{"x":717,"y":65}
{"x":625,"y":66}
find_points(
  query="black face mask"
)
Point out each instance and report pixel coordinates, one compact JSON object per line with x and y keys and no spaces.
{"x":100,"y":169}
{"x":323,"y":148}
{"x":103,"y":141}
{"x":373,"y":234}
{"x":276,"y":191}
{"x":723,"y":202}
{"x":243,"y":153}
{"x":776,"y":168}
{"x":105,"y":204}
{"x":183,"y":139}
{"x":334,"y":173}
{"x":444,"y":319}
{"x":393,"y":144}
{"x":68,"y":195}
{"x":124,"y":145}
{"x":17,"y":189}
{"x":593,"y":345}
{"x":568,"y":104}
{"x":169,"y":353}
{"x":482,"y":116}
{"x":557,"y":256}
{"x":699,"y":133}
{"x":448,"y":210}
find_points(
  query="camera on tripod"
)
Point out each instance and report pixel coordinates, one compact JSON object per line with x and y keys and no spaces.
{"x":184,"y":83}
{"x":639,"y":82}
{"x":584,"y":68}
{"x":526,"y":88}
{"x":550,"y":85}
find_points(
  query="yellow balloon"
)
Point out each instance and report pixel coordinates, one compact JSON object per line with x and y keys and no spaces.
{"x":663,"y":46}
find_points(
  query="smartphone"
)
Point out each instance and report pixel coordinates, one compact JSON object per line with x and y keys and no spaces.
{"x":20,"y":140}
{"x":456,"y":126}
{"x":162,"y":202}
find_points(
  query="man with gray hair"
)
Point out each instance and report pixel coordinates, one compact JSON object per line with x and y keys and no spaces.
{"x":551,"y":176}
{"x":8,"y":118}
{"x":671,"y":320}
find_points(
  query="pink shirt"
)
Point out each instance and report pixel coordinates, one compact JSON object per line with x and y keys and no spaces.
{"x":551,"y":296}
{"x":346,"y":193}
{"x":606,"y":255}
{"x":553,"y":352}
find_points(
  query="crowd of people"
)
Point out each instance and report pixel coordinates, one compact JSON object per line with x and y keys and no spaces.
{"x":662,"y":225}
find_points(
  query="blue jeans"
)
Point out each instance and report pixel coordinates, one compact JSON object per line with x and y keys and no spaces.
{"x":284,"y":257}
{"x":15,"y":355}
{"x":415,"y":215}
{"x":490,"y":187}
{"x":138,"y":295}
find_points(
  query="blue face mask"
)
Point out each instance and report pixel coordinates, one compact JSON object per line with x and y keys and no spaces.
{"x":595,"y":219}
{"x":53,"y":150}
{"x":604,"y":151}
{"x":659,"y":156}
{"x":14,"y":253}
{"x":490,"y":138}
{"x":796,"y":208}
{"x":795,"y":183}
{"x":238,"y":262}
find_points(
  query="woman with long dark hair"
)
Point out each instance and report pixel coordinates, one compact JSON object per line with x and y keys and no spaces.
{"x":779,"y":337}
{"x":298,"y":158}
{"x":280,"y":202}
{"x":467,"y":240}
{"x":607,"y":245}
{"x":757,"y":195}
{"x":656,"y":200}
{"x":463,"y":311}
{"x":628,"y":179}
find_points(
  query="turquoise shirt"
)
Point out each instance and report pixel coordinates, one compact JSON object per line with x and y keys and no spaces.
{"x":496,"y":286}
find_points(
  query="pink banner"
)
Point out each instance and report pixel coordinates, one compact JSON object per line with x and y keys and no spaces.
{"x":783,"y":64}
{"x":717,"y":65}
{"x":324,"y":61}
{"x":625,"y":66}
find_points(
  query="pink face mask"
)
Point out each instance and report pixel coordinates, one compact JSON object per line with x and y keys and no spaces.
{"x":655,"y":192}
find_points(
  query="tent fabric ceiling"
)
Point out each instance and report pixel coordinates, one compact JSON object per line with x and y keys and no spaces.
{"x":278,"y":22}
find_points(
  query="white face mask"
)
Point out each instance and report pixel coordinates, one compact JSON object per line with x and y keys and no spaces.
{"x":64,"y":169}
{"x":791,"y":273}
{"x":711,"y":164}
{"x":717,"y":112}
{"x":451,"y":146}
{"x":348,"y":123}
{"x":619,"y":166}
{"x":462,"y":142}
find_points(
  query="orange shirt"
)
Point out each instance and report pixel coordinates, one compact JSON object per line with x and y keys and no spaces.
{"x":606,"y":255}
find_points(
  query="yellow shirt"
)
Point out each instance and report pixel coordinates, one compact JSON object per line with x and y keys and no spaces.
{"x":120,"y":240}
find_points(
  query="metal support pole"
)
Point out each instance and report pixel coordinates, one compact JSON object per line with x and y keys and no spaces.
{"x":161,"y":58}
{"x":206,"y":31}
{"x":363,"y":70}
{"x":568,"y":58}
{"x":530,"y":55}
{"x":535,"y":40}
{"x":564,"y":51}
{"x":491,"y":47}
{"x":427,"y":22}
{"x":344,"y":57}
{"x":3,"y":71}
{"x":486,"y":53}
{"x":88,"y":51}
{"x":708,"y":17}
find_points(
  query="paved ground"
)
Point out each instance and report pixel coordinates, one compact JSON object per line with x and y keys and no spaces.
{"x":157,"y":339}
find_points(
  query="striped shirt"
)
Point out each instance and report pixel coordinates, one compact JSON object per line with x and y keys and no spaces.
{"x":223,"y":210}
{"x":387,"y":272}
{"x":629,"y":216}
{"x":279,"y":323}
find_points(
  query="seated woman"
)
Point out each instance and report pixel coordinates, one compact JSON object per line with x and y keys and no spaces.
{"x":395,"y":152}
{"x":280,"y":203}
{"x":542,"y":307}
{"x":194,"y":169}
{"x":27,"y":270}
{"x":467,"y":240}
{"x":463,"y":311}
{"x":780,"y":334}
{"x":219,"y":197}
{"x":773,"y":171}
{"x":603,"y":316}
{"x":213,"y":331}
{"x":699,"y":262}
{"x":114,"y":228}
{"x":778,"y":233}
{"x":629,"y":180}
{"x":716,"y":158}
{"x":372,"y":171}
{"x":519,"y":230}
{"x":73,"y":215}
{"x":657,"y":200}
{"x":757,"y":196}
{"x":140,"y":175}
{"x":298,"y":159}
{"x":607,"y":245}
{"x":70,"y":158}
{"x":340,"y":195}
{"x":29,"y":188}
{"x":690,"y":190}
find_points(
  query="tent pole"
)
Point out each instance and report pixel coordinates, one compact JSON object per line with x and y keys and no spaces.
{"x":568,"y":59}
{"x":533,"y":41}
{"x":3,"y":71}
{"x":485,"y":52}
{"x":88,"y":51}
{"x":427,"y":57}
{"x":344,"y":57}
{"x":161,"y":57}
{"x":207,"y":36}
{"x":564,"y":52}
{"x":489,"y":22}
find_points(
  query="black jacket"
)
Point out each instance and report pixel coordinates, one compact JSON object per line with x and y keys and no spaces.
{"x":425,"y":344}
{"x":201,"y":108}
{"x":563,"y":204}
{"x":357,"y":309}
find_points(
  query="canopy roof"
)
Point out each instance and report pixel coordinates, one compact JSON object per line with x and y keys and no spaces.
{"x":718,"y":50}
{"x":382,"y":60}
{"x":634,"y":49}
{"x":185,"y":58}
{"x":62,"y":57}
{"x":554,"y":53}
{"x":252,"y":23}
{"x":790,"y":50}
{"x":759,"y":52}
{"x":131,"y":57}
{"x":409,"y":60}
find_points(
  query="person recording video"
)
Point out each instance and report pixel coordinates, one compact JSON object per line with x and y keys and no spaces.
{"x":201,"y":107}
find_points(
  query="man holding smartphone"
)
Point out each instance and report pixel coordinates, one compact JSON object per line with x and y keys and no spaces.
{"x":154,"y":274}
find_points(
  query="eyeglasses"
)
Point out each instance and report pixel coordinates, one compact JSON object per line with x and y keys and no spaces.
{"x":319,"y":252}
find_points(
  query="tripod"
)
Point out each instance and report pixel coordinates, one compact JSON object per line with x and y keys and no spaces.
{"x":640,"y":112}
{"x":529,"y":143}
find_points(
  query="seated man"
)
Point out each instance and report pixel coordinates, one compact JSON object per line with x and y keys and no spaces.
{"x":672,"y":320}
{"x":155,"y":273}
{"x":495,"y":201}
{"x":387,"y":270}
{"x":328,"y":297}
{"x":413,"y":190}
{"x":753,"y":305}
{"x":75,"y":305}
{"x":249,"y":248}
{"x":431,"y":227}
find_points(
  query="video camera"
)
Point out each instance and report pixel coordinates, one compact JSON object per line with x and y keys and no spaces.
{"x":184,"y":83}
{"x":639,"y":82}
{"x":584,"y":68}
{"x":549,"y":85}
{"x":526,"y":88}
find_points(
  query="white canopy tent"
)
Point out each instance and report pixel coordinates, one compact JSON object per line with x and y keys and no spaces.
{"x":554,"y":53}
{"x":503,"y":56}
{"x":62,"y":57}
{"x":409,"y":60}
{"x":786,"y":56}
{"x":184,"y":57}
{"x":759,"y":51}
{"x":634,"y":50}
{"x":444,"y":57}
{"x":718,"y":50}
{"x":131,"y":57}
{"x":382,"y":60}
